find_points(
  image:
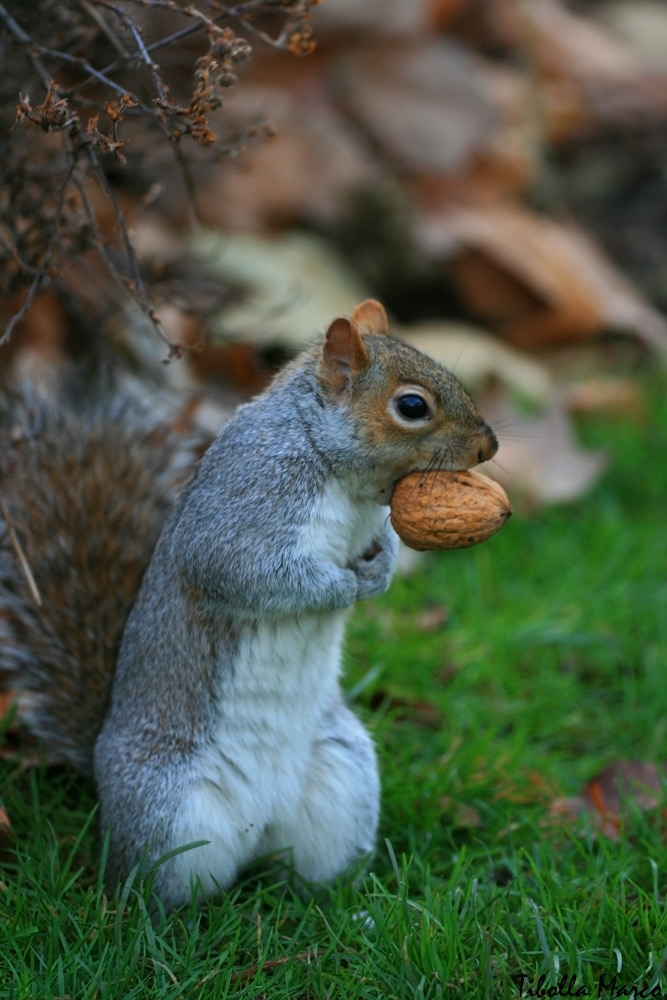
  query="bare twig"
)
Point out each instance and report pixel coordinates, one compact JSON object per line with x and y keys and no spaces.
{"x":153,"y":68}
{"x":38,"y":229}
{"x":243,"y":975}
{"x":134,"y":284}
{"x":26,"y":42}
{"x":40,"y":273}
{"x":104,"y":27}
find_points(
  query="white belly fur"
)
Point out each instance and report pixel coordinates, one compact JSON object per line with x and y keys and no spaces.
{"x":287,"y":674}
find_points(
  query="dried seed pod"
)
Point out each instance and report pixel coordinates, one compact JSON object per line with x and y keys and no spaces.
{"x":447,"y":510}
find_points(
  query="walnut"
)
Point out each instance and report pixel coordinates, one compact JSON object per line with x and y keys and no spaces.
{"x":447,"y":510}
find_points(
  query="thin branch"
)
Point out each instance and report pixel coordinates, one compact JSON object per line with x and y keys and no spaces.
{"x":28,"y":44}
{"x":155,"y":46}
{"x":135,"y":282}
{"x":13,"y":254}
{"x":35,"y":230}
{"x":40,"y":273}
{"x":98,"y":75}
{"x":120,"y":219}
{"x":125,"y":19}
{"x":104,"y":27}
{"x":238,"y":13}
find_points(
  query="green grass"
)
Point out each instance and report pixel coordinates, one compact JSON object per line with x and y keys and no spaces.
{"x":549,"y":664}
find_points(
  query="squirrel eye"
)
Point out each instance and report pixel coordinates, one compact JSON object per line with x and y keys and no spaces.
{"x":412,"y":407}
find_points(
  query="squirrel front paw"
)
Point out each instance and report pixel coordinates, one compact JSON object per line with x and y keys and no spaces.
{"x":375,"y":567}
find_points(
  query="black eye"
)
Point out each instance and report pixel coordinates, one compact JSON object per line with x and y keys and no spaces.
{"x":412,"y":407}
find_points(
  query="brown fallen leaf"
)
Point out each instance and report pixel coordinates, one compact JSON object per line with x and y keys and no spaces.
{"x":306,"y":171}
{"x":642,"y":782}
{"x":463,"y":815}
{"x":606,"y":797}
{"x":5,"y":827}
{"x":19,"y":745}
{"x":432,"y":619}
{"x":467,"y":817}
{"x":392,"y":17}
{"x":539,"y":457}
{"x":478,"y":358}
{"x":529,"y":115}
{"x":538,"y":110}
{"x":618,"y":397}
{"x":642,"y":25}
{"x":243,"y":975}
{"x":294,"y":283}
{"x":417,"y":711}
{"x":41,"y":338}
{"x":616,"y":84}
{"x":537,"y":281}
{"x":488,"y":25}
{"x":7,"y":702}
{"x":425,"y":102}
{"x":28,"y":761}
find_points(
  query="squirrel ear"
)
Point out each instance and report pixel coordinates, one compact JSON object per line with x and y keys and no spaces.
{"x":343,"y":356}
{"x":371,"y":317}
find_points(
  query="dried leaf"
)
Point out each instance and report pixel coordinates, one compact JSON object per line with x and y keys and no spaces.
{"x":243,"y":975}
{"x":478,"y":358}
{"x":6,"y":832}
{"x":606,"y":394}
{"x":5,"y":825}
{"x":41,"y":337}
{"x":19,"y":745}
{"x":305,"y":171}
{"x":432,"y":619}
{"x":295,"y":285}
{"x":537,"y":281}
{"x":641,"y":782}
{"x":392,"y":17}
{"x":416,"y":711}
{"x":539,"y":456}
{"x":642,"y":25}
{"x":7,"y":701}
{"x":426,"y":102}
{"x":535,"y":110}
{"x":614,"y":84}
{"x":467,"y":817}
{"x":28,"y":761}
{"x":606,"y":796}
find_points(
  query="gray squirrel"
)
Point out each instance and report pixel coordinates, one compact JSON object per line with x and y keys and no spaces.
{"x":197,"y":673}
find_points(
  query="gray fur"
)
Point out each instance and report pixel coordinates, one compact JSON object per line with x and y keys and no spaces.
{"x":224,"y":718}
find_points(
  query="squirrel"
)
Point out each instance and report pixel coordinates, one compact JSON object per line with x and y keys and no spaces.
{"x":186,"y":646}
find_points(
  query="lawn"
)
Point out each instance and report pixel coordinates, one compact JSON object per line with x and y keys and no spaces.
{"x":495,"y":681}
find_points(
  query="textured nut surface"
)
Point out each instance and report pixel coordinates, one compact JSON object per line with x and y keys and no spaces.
{"x":447,"y":510}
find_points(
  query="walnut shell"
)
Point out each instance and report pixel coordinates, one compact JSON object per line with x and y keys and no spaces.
{"x":447,"y":510}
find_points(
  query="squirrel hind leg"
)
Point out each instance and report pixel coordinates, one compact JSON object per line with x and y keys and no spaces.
{"x":334,"y":824}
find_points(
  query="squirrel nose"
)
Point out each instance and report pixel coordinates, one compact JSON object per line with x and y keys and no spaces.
{"x":489,"y":446}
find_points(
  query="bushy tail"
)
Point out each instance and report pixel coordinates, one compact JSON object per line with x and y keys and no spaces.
{"x":87,"y":480}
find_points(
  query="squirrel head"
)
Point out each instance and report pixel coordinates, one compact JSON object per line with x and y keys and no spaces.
{"x":408,"y":412}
